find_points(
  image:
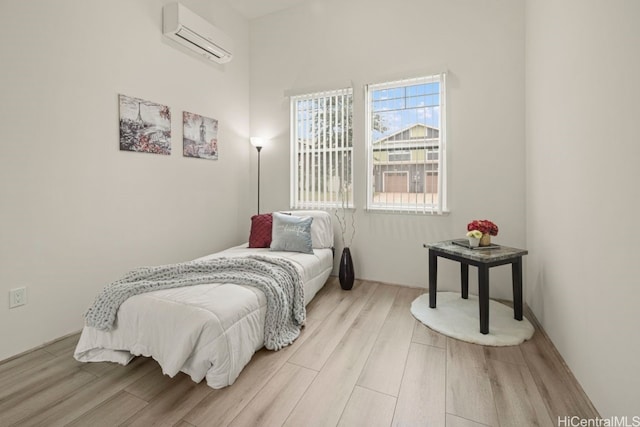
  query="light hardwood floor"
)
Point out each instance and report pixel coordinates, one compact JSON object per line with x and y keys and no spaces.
{"x":361,"y":360}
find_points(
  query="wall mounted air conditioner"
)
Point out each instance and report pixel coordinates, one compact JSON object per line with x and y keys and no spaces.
{"x":195,"y":33}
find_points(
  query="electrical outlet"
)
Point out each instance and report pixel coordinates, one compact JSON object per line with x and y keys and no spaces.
{"x":17,"y":297}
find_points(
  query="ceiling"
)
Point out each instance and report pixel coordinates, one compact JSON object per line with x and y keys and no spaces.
{"x":251,"y":9}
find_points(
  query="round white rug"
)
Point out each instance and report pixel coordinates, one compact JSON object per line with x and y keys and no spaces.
{"x":459,"y":318}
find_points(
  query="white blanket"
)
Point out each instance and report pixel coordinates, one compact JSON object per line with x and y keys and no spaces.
{"x":209,"y":330}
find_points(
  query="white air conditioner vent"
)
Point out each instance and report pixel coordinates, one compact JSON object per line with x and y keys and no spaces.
{"x":195,"y":33}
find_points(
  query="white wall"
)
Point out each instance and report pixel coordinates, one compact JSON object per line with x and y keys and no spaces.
{"x":77,"y":213}
{"x":582,"y":110}
{"x":480,"y":43}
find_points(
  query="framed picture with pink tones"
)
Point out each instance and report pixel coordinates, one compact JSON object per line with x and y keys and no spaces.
{"x":145,"y":126}
{"x":199,"y":136}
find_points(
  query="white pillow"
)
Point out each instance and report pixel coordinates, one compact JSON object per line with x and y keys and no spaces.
{"x":321,"y":228}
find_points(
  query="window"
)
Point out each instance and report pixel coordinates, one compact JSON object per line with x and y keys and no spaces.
{"x":321,"y":150}
{"x":406,"y":145}
{"x":399,"y":156}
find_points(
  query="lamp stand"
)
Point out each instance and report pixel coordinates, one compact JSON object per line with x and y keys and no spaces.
{"x":259,"y":149}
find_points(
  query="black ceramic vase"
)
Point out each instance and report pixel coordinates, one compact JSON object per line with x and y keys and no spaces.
{"x":346,"y":275}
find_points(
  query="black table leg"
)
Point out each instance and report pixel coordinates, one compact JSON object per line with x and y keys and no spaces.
{"x":464,"y":277}
{"x":483,"y":298}
{"x":516,"y":274}
{"x":433,"y":278}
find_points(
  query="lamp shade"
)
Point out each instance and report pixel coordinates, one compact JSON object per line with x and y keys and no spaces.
{"x":256,"y":141}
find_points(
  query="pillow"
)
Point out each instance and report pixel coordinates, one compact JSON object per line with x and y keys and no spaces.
{"x":321,"y":228}
{"x":291,"y":233}
{"x":260,"y":235}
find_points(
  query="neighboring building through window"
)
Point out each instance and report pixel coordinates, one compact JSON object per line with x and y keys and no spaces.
{"x":321,"y":150}
{"x":405,"y":132}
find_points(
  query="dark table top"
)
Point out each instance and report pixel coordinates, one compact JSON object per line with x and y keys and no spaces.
{"x":499,"y":253}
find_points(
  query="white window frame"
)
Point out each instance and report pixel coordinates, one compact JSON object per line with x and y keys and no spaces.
{"x":344,"y":145}
{"x":438,"y":206}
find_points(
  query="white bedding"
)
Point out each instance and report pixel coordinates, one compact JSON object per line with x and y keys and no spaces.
{"x":206,"y":331}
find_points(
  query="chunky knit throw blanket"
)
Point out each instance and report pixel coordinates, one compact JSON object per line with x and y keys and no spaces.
{"x":278,"y":278}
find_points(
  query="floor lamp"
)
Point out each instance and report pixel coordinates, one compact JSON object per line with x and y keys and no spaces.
{"x":258,"y":143}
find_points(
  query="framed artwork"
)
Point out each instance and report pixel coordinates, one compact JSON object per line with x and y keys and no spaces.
{"x":144,"y":126}
{"x":199,"y":136}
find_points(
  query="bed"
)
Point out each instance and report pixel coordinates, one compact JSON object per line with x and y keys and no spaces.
{"x":208,"y":331}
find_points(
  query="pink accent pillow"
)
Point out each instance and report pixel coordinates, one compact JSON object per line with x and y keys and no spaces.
{"x":261,"y":226}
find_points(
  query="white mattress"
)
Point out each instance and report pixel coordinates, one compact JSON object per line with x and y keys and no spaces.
{"x":205,"y":330}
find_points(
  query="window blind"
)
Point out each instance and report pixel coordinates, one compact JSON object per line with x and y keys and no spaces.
{"x":322,"y":149}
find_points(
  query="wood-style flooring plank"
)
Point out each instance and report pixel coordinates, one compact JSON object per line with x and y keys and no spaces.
{"x":384,"y":369}
{"x":112,"y":412}
{"x":273,"y":404}
{"x":376,"y":310}
{"x":47,"y":393}
{"x":64,"y":346}
{"x":518,"y":401}
{"x":468,"y":389}
{"x":86,"y":398}
{"x":329,"y":393}
{"x":421,"y":401}
{"x":25,"y":363}
{"x":315,"y":351}
{"x":326,"y":398}
{"x":17,"y":385}
{"x":223,"y":405}
{"x":510,"y":354}
{"x":561,"y":392}
{"x":325,"y":301}
{"x":368,"y":408}
{"x":169,"y":407}
{"x":454,"y":421}
{"x":424,"y":335}
{"x":100,"y":369}
{"x":150,"y":385}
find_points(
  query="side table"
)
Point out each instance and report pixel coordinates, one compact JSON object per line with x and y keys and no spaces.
{"x":483,"y":259}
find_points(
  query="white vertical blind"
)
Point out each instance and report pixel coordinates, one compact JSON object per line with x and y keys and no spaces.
{"x":406,"y":136}
{"x":321,"y":149}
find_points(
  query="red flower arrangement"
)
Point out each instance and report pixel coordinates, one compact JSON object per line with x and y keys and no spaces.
{"x":484,"y":226}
